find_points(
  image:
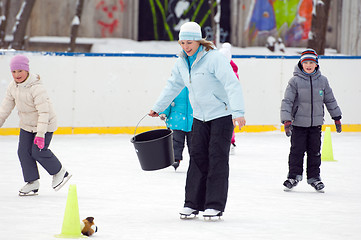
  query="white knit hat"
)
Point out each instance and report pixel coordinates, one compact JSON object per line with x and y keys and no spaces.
{"x":190,"y":31}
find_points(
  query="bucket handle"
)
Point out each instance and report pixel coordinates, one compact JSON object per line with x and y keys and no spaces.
{"x":135,"y":130}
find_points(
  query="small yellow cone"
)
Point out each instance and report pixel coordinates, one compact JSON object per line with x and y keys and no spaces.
{"x":327,"y":152}
{"x":71,"y":223}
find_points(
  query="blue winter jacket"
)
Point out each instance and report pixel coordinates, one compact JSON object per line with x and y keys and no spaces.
{"x":214,"y":90}
{"x":180,"y":113}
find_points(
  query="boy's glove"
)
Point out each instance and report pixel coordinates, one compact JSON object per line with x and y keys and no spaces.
{"x":288,"y":128}
{"x":162,"y":116}
{"x":40,"y":142}
{"x":338,"y":126}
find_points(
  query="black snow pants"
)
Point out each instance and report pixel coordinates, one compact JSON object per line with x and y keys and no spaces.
{"x":305,"y":139}
{"x":179,"y":137}
{"x":29,"y":154}
{"x":208,"y":172}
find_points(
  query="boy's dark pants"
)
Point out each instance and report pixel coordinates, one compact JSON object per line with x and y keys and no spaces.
{"x":179,"y":138}
{"x":207,"y":176}
{"x":305,"y":139}
{"x":29,"y":154}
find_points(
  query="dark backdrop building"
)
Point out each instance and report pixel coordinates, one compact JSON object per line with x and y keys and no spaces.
{"x":243,"y":23}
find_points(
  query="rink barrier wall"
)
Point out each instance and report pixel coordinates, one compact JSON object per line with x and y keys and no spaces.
{"x":79,"y":54}
{"x":130,"y":130}
{"x":109,"y":96}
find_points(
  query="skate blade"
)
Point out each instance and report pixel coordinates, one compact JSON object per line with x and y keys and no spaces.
{"x":286,"y":189}
{"x":66,"y":179}
{"x":320,"y":191}
{"x":188,"y":217}
{"x":212,"y":218}
{"x":31,"y":193}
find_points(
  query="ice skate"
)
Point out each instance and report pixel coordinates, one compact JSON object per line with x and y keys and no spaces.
{"x":212,"y":214}
{"x":188,"y":213}
{"x":176,"y":164}
{"x":30,"y":189}
{"x":318,"y":186}
{"x":290,"y":183}
{"x":60,"y":179}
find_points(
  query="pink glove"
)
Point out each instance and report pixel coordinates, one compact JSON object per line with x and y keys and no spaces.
{"x":40,"y":142}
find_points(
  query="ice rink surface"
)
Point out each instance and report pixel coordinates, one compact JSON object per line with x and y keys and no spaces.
{"x":129,"y":203}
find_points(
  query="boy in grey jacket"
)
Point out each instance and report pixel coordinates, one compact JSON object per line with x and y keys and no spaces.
{"x":302,"y":112}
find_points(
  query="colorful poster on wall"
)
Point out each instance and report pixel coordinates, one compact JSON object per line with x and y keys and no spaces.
{"x":161,"y":20}
{"x":287,"y":19}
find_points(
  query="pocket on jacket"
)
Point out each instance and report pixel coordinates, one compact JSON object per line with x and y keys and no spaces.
{"x":221,"y":101}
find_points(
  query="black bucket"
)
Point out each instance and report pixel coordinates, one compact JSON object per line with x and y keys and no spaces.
{"x":154,"y":148}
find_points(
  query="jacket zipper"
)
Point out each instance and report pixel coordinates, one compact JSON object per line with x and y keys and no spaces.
{"x":190,"y":81}
{"x":311,"y":101}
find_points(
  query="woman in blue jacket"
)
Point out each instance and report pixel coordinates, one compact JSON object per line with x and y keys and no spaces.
{"x":179,"y":118}
{"x":217,"y":100}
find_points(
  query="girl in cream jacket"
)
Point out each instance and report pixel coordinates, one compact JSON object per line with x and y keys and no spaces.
{"x":37,"y":124}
